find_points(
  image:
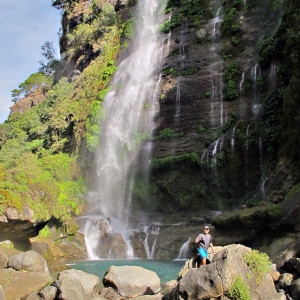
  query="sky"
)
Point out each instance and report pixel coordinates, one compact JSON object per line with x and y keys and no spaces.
{"x":24,"y":27}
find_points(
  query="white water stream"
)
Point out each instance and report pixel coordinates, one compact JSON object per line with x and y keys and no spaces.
{"x":130,"y":108}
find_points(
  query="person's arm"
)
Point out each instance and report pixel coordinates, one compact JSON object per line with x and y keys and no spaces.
{"x":212,"y":248}
{"x":197,"y":239}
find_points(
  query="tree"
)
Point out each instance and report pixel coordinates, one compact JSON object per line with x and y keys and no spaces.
{"x":15,"y":95}
{"x":33,"y":82}
{"x":51,"y":62}
{"x":63,"y":4}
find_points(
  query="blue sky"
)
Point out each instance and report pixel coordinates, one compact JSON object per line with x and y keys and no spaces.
{"x":24,"y":27}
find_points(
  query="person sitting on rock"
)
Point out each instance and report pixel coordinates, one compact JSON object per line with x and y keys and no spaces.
{"x":204,"y":241}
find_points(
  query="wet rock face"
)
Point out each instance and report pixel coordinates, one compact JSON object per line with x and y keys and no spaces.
{"x":192,"y":102}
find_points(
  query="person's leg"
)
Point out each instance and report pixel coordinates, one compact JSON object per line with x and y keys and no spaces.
{"x":203,"y":256}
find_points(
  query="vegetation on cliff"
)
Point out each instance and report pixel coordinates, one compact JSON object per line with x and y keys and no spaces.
{"x":40,"y":146}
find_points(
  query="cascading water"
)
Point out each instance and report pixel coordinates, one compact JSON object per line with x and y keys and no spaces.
{"x":216,"y":79}
{"x":185,"y":252}
{"x":130,"y":107}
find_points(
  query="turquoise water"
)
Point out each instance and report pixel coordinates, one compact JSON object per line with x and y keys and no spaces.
{"x":165,"y":270}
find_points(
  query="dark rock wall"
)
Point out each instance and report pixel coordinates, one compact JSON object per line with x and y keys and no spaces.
{"x":223,"y":134}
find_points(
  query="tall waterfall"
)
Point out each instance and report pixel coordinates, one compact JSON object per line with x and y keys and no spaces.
{"x":130,"y":108}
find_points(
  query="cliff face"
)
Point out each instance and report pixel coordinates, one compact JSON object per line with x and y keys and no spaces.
{"x":206,"y":116}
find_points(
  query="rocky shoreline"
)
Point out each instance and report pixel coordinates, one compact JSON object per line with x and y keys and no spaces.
{"x":26,"y":276}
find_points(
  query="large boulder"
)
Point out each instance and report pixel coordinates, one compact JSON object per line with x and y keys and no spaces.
{"x":132,"y":281}
{"x":89,"y":282}
{"x":216,"y":278}
{"x":28,"y":261}
{"x":48,"y":293}
{"x":70,"y":289}
{"x":17,"y":285}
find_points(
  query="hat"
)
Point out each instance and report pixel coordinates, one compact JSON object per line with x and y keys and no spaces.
{"x":206,"y":227}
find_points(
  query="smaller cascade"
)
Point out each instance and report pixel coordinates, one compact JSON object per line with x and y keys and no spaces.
{"x":272,"y":75}
{"x":242,"y":83}
{"x":151,"y":232}
{"x":221,"y":103}
{"x":210,"y":153}
{"x":256,"y":107}
{"x":184,"y":252}
{"x":232,"y":139}
{"x":246,"y":154}
{"x":179,"y":78}
{"x":263,"y":188}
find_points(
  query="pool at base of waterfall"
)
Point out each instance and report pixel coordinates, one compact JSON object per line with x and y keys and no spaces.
{"x":166,"y":270}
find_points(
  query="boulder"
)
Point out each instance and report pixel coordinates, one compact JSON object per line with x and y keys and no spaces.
{"x":48,"y":293}
{"x":42,"y":248}
{"x":2,"y":296}
{"x":33,"y":296}
{"x":295,"y":289}
{"x":3,"y":259}
{"x":18,"y":285}
{"x":70,"y":289}
{"x":285,"y":280}
{"x":89,"y":282}
{"x":109,"y":293}
{"x":216,"y":278}
{"x":72,"y":250}
{"x":275,"y":275}
{"x":140,"y":282}
{"x":28,"y":261}
{"x":158,"y":296}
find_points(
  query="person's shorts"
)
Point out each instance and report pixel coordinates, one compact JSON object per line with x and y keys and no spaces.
{"x":202,"y":253}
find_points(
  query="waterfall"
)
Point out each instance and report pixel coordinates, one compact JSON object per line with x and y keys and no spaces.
{"x":130,"y":108}
{"x":216,"y":78}
{"x":184,"y":252}
{"x":256,"y":107}
{"x":179,"y":78}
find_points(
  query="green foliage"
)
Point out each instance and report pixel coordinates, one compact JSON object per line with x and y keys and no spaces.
{"x":232,"y":74}
{"x":168,"y":133}
{"x":201,"y":128}
{"x":273,"y":108}
{"x":186,"y":8}
{"x":235,"y":40}
{"x":191,"y":158}
{"x":260,"y":82}
{"x":35,"y":81}
{"x":109,"y":70}
{"x":89,"y":33}
{"x":266,"y":51}
{"x":64,"y":4}
{"x":227,"y":57}
{"x":227,"y":25}
{"x":252,"y":202}
{"x":259,"y":263}
{"x":208,"y":94}
{"x":274,"y":212}
{"x":127,"y":30}
{"x":230,"y":91}
{"x":184,"y":72}
{"x":239,"y":290}
{"x":45,"y":232}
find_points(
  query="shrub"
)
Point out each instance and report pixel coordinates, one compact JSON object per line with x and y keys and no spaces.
{"x":259,"y":263}
{"x":168,"y":133}
{"x":208,"y":94}
{"x":239,"y":290}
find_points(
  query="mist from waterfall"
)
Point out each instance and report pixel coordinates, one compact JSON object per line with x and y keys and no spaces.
{"x":130,"y":108}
